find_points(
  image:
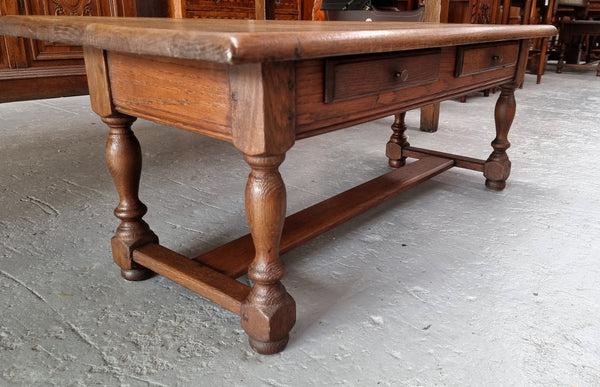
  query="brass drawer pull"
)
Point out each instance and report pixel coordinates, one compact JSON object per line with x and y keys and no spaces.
{"x":401,"y":75}
{"x":497,"y":58}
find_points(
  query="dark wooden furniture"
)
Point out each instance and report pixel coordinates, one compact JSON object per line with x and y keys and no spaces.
{"x":571,"y":33}
{"x":32,"y":69}
{"x":236,"y":9}
{"x":474,"y":11}
{"x":263,"y":86}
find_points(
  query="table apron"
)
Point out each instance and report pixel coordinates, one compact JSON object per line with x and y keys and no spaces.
{"x":198,"y":95}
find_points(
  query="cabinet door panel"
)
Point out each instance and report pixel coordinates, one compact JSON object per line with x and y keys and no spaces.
{"x":40,"y":51}
{"x":31,"y":69}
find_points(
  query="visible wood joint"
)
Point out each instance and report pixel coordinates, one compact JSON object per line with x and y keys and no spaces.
{"x":326,"y":215}
{"x":195,"y":276}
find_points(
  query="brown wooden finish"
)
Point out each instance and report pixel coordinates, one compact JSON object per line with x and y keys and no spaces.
{"x":473,"y":11}
{"x":269,"y":312}
{"x":124,"y":159}
{"x":497,"y":167}
{"x":262,"y":86}
{"x":201,"y":279}
{"x":192,"y":89}
{"x":314,"y":116}
{"x":387,"y":72}
{"x":397,"y":142}
{"x":101,"y":97}
{"x":486,"y":57}
{"x":430,"y":118}
{"x":571,"y":33}
{"x":313,"y":221}
{"x":235,"y":9}
{"x":32,"y":69}
{"x":262,"y":123}
{"x":459,"y":161}
{"x":242,"y":41}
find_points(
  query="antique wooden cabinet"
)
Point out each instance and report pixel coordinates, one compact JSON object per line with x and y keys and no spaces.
{"x":236,"y":9}
{"x":473,"y":11}
{"x":32,"y":69}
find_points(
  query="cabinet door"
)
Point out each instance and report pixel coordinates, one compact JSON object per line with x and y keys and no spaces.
{"x":13,"y":49}
{"x":31,"y":69}
{"x":41,"y":53}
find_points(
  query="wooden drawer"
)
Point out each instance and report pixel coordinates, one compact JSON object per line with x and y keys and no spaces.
{"x":357,"y":76}
{"x":485,"y":57}
{"x":220,"y":9}
{"x":286,"y":10}
{"x":221,"y":13}
{"x":239,"y":9}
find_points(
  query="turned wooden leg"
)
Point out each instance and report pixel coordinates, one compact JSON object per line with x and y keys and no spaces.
{"x":497,"y":167}
{"x":561,"y":58}
{"x":124,"y":159}
{"x":398,"y":140}
{"x":269,"y":312}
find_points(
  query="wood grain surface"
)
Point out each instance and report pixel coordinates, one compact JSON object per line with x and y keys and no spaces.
{"x":244,"y":41}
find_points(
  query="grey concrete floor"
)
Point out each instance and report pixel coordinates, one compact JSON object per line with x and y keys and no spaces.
{"x":449,"y":284}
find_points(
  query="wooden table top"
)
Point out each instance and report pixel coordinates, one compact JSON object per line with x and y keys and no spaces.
{"x":247,"y":41}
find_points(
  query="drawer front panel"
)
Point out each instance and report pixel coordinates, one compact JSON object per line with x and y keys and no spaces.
{"x":221,"y":13}
{"x":220,"y":9}
{"x":240,"y":9}
{"x":354,"y":77}
{"x":485,"y":57}
{"x":314,"y":115}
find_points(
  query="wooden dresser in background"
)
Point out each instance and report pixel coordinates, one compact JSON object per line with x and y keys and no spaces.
{"x":33,"y":69}
{"x":236,"y":9}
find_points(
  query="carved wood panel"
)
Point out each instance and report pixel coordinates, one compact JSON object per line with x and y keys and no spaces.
{"x":483,"y":11}
{"x":31,"y":69}
{"x":473,"y":11}
{"x":48,"y":51}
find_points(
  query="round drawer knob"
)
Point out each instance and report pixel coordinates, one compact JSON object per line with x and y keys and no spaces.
{"x":401,"y":75}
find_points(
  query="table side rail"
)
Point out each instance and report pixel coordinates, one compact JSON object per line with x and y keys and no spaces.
{"x":184,"y":93}
{"x":315,"y":116}
{"x":196,"y":95}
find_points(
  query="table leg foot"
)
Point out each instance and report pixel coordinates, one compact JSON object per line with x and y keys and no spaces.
{"x":269,"y":312}
{"x":268,"y":325}
{"x":397,"y":141}
{"x":497,"y":167}
{"x":124,"y":159}
{"x":137,"y":274}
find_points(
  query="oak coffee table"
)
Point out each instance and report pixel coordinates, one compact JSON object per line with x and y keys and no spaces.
{"x":262,"y":85}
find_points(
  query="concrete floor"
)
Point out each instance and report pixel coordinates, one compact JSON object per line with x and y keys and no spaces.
{"x":449,"y":284}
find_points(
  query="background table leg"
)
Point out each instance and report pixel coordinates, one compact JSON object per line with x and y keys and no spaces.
{"x":124,"y":159}
{"x":398,"y":140}
{"x":497,"y":167}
